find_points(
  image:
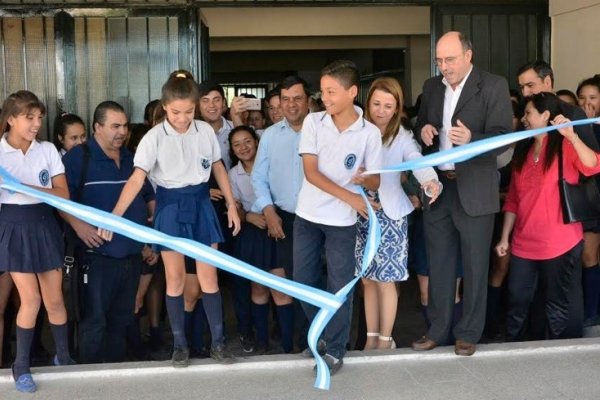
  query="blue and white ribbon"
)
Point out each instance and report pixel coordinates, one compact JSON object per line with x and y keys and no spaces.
{"x":467,"y":151}
{"x":328,"y":303}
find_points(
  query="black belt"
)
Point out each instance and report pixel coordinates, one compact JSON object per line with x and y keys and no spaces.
{"x":450,"y":175}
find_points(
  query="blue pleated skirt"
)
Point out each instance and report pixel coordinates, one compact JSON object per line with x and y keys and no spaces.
{"x":31,"y":240}
{"x":255,"y":247}
{"x":187,"y":213}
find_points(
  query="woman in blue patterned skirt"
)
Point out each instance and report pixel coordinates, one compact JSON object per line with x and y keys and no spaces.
{"x":384,"y":109}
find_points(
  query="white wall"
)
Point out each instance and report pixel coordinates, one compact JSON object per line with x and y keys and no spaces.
{"x":575,"y":41}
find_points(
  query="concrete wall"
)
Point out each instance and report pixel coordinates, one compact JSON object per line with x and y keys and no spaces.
{"x":316,"y":21}
{"x":575,"y":41}
{"x":305,"y":28}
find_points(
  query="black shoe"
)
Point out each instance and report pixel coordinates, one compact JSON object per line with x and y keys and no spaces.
{"x":247,"y":344}
{"x":221,"y":353}
{"x":333,"y":364}
{"x":203,"y":353}
{"x":180,"y":358}
{"x":321,"y":348}
{"x":262,"y":349}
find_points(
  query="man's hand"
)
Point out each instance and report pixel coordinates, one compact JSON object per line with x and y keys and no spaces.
{"x":87,"y":233}
{"x":460,"y":134}
{"x":427,"y":134}
{"x":274,"y":223}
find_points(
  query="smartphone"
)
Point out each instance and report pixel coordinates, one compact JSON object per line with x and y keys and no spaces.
{"x":253,"y":104}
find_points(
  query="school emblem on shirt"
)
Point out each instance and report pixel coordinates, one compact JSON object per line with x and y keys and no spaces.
{"x":44,"y":177}
{"x":205,"y":163}
{"x":350,"y":161}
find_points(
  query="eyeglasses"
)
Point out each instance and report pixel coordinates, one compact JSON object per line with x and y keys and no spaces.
{"x":447,"y":61}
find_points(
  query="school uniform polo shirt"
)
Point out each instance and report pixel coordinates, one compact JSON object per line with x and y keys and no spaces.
{"x":278,"y":170}
{"x":241,"y":186}
{"x":102,"y":187}
{"x":339,"y":155}
{"x":175,"y":160}
{"x":40,"y":163}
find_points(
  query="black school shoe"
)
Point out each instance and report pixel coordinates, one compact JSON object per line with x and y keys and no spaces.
{"x":180,"y":358}
{"x":247,"y":343}
{"x":333,"y":364}
{"x":321,"y":347}
{"x":221,"y":353}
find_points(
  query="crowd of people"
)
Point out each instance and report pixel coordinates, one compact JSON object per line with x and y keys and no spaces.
{"x":278,"y":189}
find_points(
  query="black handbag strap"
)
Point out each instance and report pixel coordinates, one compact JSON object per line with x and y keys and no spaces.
{"x":560,"y":161}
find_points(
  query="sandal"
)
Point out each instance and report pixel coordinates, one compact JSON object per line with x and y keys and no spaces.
{"x":388,"y":339}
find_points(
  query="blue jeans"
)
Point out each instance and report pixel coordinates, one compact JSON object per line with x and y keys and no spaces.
{"x":309,"y":240}
{"x":108,"y":305}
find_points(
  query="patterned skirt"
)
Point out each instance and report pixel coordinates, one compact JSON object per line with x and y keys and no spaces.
{"x":390,"y":262}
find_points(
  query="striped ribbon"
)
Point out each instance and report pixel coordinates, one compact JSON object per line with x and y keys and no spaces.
{"x":470,"y":150}
{"x":328,"y":303}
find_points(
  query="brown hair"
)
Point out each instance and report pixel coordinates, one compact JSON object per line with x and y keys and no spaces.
{"x":344,"y":71}
{"x":391,"y":86}
{"x":19,"y":103}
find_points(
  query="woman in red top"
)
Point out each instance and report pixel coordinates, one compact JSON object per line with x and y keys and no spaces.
{"x":544,"y":249}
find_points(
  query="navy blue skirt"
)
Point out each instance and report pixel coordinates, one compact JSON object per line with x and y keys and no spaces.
{"x":255,"y":247}
{"x":187,"y":213}
{"x":30,"y":239}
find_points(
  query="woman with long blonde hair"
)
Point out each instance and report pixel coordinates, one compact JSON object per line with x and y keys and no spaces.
{"x":384,"y":109}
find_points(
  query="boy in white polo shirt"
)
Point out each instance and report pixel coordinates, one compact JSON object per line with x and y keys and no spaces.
{"x":336,"y":145}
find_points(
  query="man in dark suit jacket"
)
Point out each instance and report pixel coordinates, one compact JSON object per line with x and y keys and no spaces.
{"x":462,"y":105}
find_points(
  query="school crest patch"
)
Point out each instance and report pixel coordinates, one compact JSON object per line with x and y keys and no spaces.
{"x":350,"y":161}
{"x":44,"y":177}
{"x":205,"y":163}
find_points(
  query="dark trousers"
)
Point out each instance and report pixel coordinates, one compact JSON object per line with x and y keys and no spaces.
{"x":559,"y":283}
{"x":108,"y":306}
{"x":338,"y":241}
{"x":285,"y":259}
{"x":448,"y":227}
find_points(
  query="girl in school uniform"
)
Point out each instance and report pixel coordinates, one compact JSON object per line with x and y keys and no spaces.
{"x":254,"y":245}
{"x":69,"y":131}
{"x":384,"y":109}
{"x":31,"y":246}
{"x":178,"y":155}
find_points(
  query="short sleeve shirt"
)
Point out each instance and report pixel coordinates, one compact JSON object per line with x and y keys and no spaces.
{"x":241,"y":186}
{"x":340,"y":155}
{"x":175,"y":160}
{"x":36,"y":167}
